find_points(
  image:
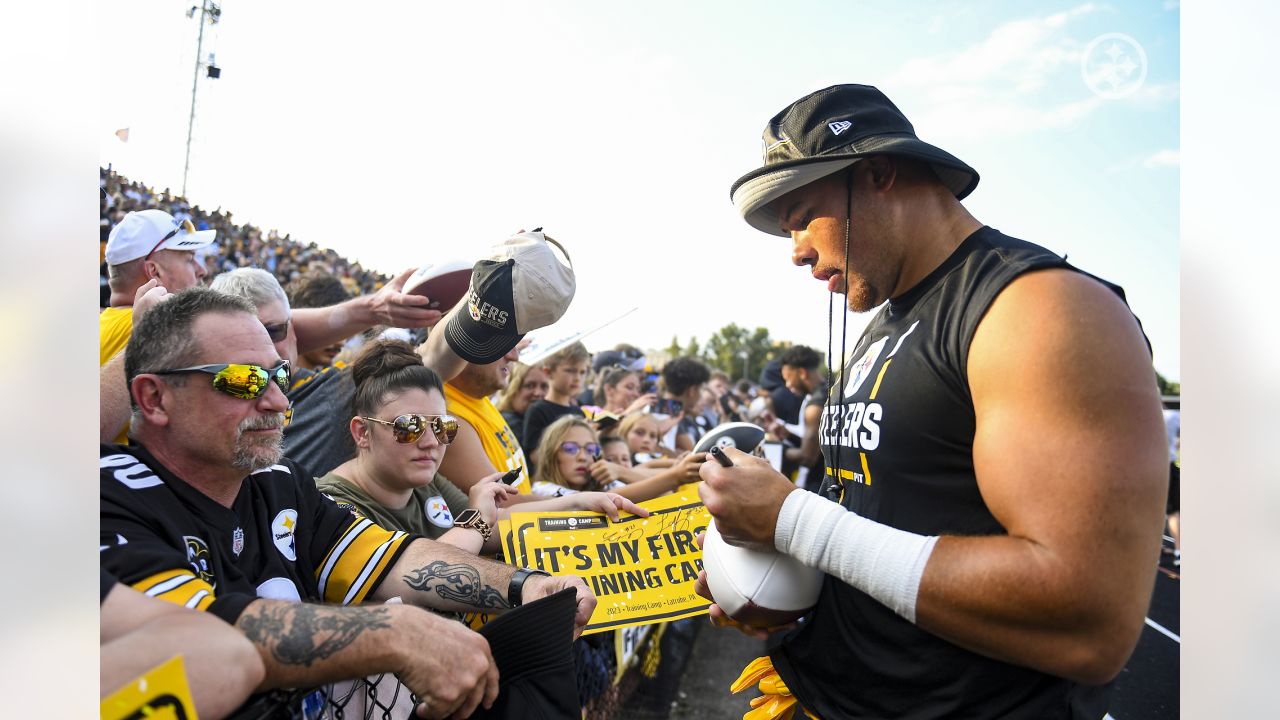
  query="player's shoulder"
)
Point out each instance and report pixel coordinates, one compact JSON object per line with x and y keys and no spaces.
{"x":1059,"y":295}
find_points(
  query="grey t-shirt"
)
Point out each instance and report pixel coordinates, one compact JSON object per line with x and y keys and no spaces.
{"x":317,"y":435}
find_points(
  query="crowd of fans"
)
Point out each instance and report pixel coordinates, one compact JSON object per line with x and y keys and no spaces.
{"x":237,"y":245}
{"x":365,"y":417}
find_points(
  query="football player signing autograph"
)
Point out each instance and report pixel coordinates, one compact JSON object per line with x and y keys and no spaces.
{"x":993,"y":445}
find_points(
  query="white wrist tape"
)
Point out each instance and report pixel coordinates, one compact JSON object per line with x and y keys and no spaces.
{"x":884,"y":562}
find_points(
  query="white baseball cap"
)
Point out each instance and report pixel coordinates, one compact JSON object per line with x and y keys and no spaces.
{"x":144,"y":232}
{"x":520,"y":286}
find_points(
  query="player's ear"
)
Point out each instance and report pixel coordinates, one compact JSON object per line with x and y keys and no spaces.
{"x":883,"y":171}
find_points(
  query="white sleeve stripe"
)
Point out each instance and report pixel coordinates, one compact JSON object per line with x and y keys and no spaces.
{"x":170,"y":584}
{"x":336,"y":554}
{"x":368,"y":568}
{"x":273,"y":468}
{"x":195,"y":599}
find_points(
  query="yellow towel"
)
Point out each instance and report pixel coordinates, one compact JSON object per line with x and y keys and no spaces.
{"x":777,"y":703}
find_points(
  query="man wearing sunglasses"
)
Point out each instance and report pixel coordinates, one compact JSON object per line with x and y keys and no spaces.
{"x":300,"y":331}
{"x":203,"y":511}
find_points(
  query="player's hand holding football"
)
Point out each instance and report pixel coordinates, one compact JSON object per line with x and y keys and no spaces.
{"x":744,"y":499}
{"x":719,"y":617}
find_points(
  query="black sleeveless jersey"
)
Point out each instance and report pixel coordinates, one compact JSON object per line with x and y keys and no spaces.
{"x":898,"y":449}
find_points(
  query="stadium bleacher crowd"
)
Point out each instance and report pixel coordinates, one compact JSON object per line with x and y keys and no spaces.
{"x":340,"y":404}
{"x":237,"y":245}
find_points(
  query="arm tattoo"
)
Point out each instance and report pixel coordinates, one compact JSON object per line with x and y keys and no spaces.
{"x":459,"y":583}
{"x":301,"y":634}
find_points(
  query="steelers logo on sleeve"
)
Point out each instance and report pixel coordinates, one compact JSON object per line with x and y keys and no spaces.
{"x":438,"y":512}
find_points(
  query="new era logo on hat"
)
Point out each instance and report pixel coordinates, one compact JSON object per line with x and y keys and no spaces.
{"x":521,"y":286}
{"x":826,"y":132}
{"x":144,"y":232}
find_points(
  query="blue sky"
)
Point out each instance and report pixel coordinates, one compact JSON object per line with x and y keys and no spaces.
{"x":404,"y":132}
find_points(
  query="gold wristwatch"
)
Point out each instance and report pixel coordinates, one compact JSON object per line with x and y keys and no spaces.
{"x":470,"y":518}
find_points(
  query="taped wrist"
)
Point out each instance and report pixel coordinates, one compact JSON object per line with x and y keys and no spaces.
{"x":885,"y":563}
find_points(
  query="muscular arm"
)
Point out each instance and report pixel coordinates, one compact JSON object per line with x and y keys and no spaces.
{"x":1069,"y":456}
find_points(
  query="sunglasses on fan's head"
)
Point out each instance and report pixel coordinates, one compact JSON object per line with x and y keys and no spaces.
{"x":409,"y":427}
{"x":239,"y":380}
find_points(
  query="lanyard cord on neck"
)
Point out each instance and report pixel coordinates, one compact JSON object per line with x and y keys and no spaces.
{"x":835,"y":394}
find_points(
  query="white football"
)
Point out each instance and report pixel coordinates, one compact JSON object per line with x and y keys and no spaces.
{"x":760,"y":589}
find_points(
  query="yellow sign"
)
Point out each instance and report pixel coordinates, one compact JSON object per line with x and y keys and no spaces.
{"x":628,"y":643}
{"x":642,"y":570}
{"x":158,"y":694}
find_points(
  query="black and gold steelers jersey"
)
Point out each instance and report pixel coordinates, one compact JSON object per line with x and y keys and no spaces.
{"x":898,"y":449}
{"x":281,"y":539}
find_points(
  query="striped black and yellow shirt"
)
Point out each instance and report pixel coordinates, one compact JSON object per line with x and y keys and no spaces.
{"x":281,"y":539}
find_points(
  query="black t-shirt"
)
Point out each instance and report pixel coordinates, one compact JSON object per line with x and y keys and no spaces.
{"x":904,"y":454}
{"x":536,"y":419}
{"x":318,"y":434}
{"x":281,"y":538}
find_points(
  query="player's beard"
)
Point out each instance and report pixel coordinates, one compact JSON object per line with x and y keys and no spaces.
{"x":256,"y":451}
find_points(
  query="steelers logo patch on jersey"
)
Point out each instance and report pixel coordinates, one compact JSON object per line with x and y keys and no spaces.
{"x":198,"y":556}
{"x":282,"y":533}
{"x":862,"y":369}
{"x":438,"y":512}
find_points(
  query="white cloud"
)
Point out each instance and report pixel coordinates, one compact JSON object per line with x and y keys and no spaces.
{"x":1162,"y":159}
{"x":1005,"y":82}
{"x":1021,"y":50}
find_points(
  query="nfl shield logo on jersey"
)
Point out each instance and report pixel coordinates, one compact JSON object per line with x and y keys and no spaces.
{"x":237,"y":542}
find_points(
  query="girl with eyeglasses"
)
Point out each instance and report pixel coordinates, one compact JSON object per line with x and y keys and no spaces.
{"x":570,"y":460}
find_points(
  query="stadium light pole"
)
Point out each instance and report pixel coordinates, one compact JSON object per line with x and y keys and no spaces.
{"x":208,"y":9}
